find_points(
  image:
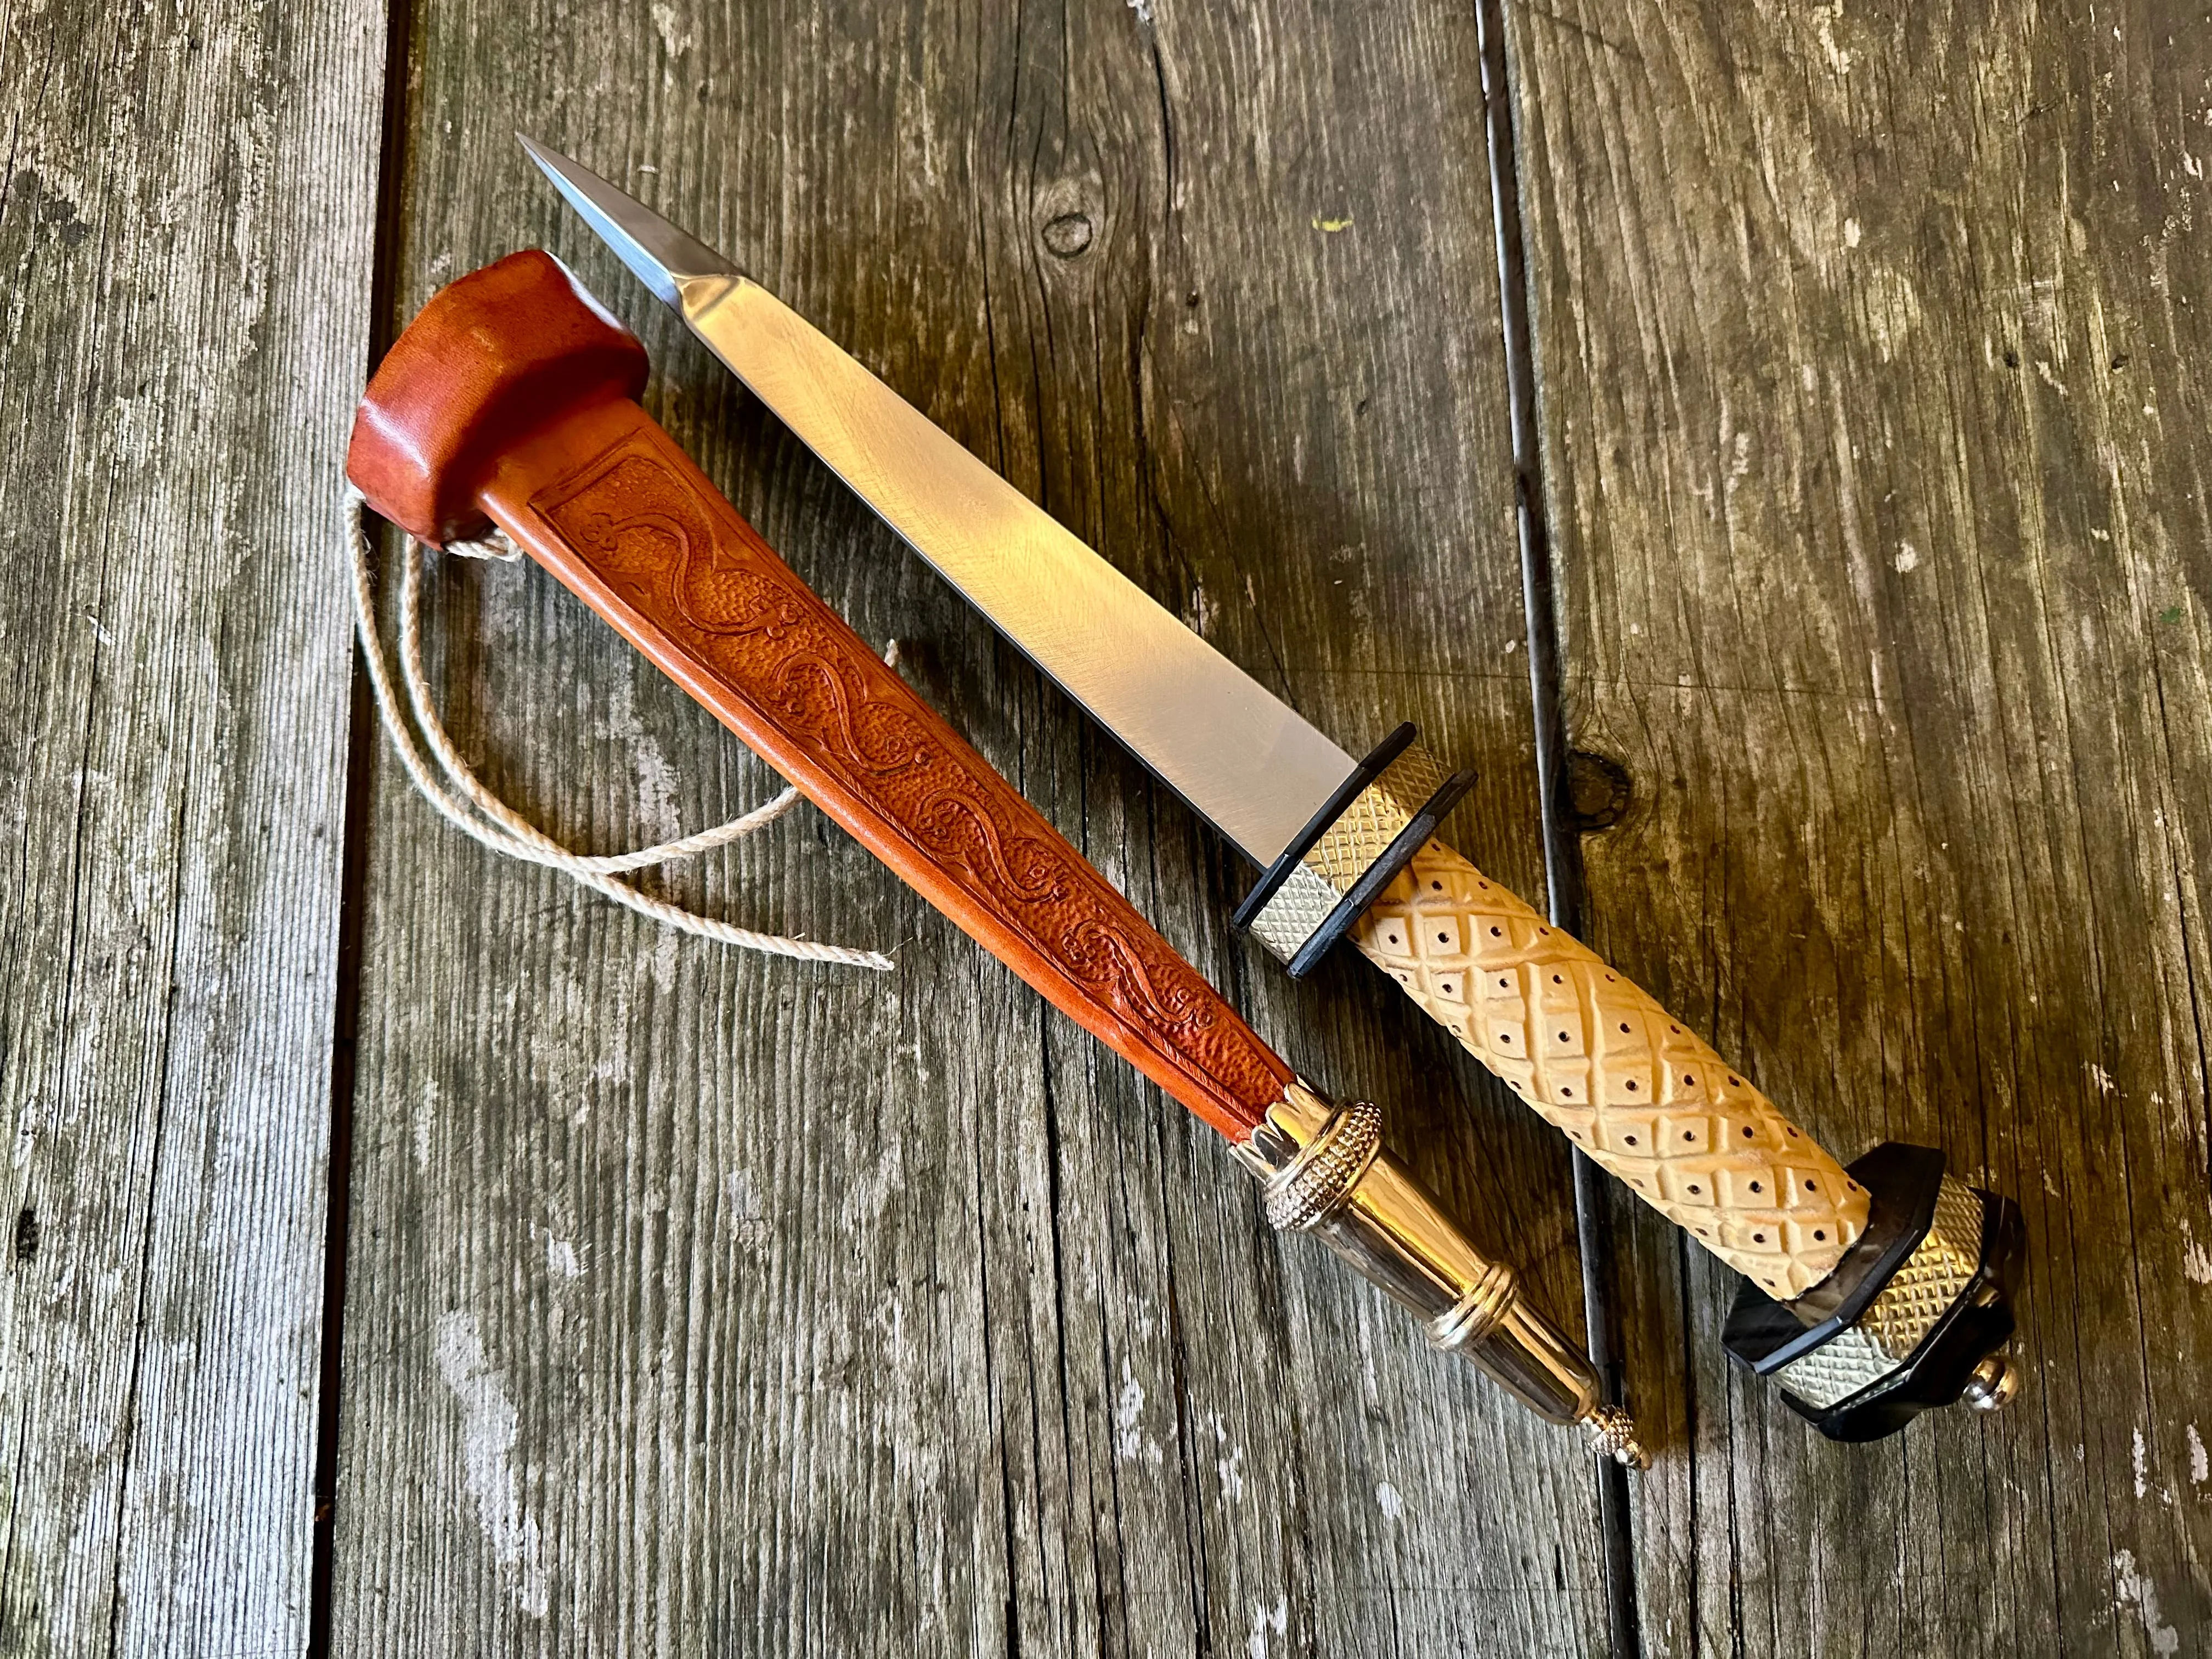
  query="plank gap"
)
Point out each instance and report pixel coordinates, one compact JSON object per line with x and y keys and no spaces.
{"x":1560,"y":839}
{"x":361,"y":740}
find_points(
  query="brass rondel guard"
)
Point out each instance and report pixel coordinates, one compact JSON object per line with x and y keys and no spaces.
{"x":1325,"y":1171}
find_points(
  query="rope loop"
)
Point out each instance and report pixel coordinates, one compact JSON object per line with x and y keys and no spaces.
{"x":462,"y":799}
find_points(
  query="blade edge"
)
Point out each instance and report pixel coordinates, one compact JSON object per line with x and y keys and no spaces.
{"x":659,"y":254}
{"x":1242,"y":757}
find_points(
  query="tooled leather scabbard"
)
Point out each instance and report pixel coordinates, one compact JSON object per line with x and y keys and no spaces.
{"x":635,"y":529}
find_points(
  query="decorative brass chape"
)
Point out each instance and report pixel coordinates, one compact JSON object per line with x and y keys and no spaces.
{"x":1308,"y":1190}
{"x":1324,"y":1171}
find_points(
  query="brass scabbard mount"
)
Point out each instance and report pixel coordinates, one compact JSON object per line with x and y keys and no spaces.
{"x":1915,"y":1316}
{"x":1323,"y":1169}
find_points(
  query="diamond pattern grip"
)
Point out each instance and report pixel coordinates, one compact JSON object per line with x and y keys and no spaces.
{"x":1630,"y":1084}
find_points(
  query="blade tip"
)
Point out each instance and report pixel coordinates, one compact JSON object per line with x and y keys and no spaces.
{"x":657,"y":252}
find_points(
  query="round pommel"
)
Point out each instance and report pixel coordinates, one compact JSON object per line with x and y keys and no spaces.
{"x":1912,"y":1318}
{"x":491,"y":359}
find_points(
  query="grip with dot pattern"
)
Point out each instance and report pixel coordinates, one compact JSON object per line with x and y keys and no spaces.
{"x":1630,"y":1084}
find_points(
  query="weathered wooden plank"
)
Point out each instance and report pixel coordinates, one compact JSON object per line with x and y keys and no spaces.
{"x":701,"y":1301}
{"x":186,"y":197}
{"x":1872,"y":347}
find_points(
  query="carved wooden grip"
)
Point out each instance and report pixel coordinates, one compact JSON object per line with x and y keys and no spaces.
{"x":1630,"y":1084}
{"x":609,"y":503}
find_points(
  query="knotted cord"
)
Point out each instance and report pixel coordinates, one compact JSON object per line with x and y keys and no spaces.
{"x":477,"y":812}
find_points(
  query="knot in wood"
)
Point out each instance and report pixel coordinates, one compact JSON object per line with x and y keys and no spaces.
{"x":1068,"y":235}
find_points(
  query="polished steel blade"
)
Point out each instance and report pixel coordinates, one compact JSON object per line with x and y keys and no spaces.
{"x":1237,"y":753}
{"x":658,"y":254}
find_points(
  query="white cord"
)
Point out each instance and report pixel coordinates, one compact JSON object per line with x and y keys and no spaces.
{"x":485,"y":818}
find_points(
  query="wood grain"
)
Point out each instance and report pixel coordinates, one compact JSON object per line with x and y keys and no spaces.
{"x":187,"y":203}
{"x":696,"y":1300}
{"x":1873,"y":347}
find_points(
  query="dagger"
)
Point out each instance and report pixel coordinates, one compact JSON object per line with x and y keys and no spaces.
{"x":510,"y":400}
{"x":1869,"y":1293}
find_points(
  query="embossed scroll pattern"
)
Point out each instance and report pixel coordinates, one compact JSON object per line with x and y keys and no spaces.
{"x":815,"y":701}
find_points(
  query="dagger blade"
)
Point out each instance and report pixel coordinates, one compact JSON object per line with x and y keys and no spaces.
{"x":1240,"y":755}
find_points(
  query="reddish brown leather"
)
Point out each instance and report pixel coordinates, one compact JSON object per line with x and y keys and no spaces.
{"x":462,"y":385}
{"x":607,"y":501}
